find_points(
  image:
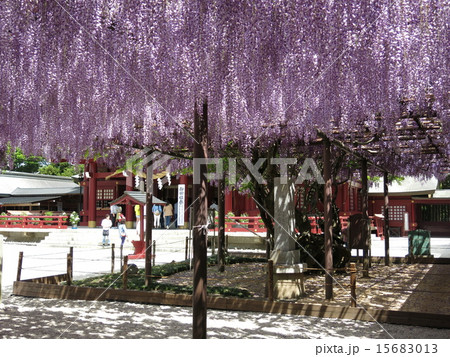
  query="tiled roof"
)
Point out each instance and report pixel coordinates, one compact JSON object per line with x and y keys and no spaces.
{"x":408,"y":186}
{"x":10,"y":181}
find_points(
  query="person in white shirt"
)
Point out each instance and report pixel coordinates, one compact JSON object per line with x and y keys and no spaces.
{"x":106,"y":225}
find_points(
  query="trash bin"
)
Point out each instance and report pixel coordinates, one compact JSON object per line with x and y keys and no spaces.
{"x":419,"y":242}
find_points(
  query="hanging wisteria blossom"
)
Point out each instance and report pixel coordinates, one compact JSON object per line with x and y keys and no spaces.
{"x":95,"y":75}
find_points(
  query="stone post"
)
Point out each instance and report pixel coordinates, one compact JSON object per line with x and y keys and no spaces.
{"x":287,"y":272}
{"x":284,"y":212}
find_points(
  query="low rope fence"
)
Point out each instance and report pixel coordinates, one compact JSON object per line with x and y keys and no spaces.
{"x":56,"y":262}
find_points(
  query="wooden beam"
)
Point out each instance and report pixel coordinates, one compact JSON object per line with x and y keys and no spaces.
{"x":342,"y":146}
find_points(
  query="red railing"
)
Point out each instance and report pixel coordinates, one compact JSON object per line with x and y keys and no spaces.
{"x":255,"y":224}
{"x":315,"y":228}
{"x":59,"y":222}
{"x":243,"y":224}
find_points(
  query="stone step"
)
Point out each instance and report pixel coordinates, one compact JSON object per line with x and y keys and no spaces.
{"x":170,"y":240}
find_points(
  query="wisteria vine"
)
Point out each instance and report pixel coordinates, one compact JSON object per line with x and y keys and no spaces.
{"x":94,"y":75}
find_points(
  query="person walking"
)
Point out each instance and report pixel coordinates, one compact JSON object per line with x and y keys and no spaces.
{"x":106,"y":225}
{"x":137,"y":211}
{"x":119,"y":216}
{"x":122,"y":231}
{"x":168,"y":213}
{"x":156,"y":209}
{"x":123,"y":235}
{"x":114,"y":210}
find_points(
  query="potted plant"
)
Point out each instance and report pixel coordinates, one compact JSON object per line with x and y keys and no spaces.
{"x":74,"y":218}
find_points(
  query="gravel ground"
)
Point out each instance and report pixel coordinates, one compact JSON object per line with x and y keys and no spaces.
{"x":406,"y":287}
{"x":34,"y":318}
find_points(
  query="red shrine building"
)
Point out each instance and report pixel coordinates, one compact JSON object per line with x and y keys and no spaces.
{"x":413,"y":203}
{"x":102,"y":186}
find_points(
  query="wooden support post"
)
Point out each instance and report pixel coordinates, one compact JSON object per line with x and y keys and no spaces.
{"x":270,"y":285}
{"x":148,"y":226}
{"x":112,"y":257}
{"x":386,"y":219}
{"x":365,"y":213}
{"x":19,"y":266}
{"x":125,"y":272}
{"x":69,"y":268}
{"x":268,"y":247}
{"x":92,"y":212}
{"x":221,"y":225}
{"x":154,"y":252}
{"x":226,"y":243}
{"x":1,"y":266}
{"x":201,"y":219}
{"x":353,"y":284}
{"x":328,"y":219}
{"x":121,"y":255}
{"x":186,"y":249}
{"x":71,"y":255}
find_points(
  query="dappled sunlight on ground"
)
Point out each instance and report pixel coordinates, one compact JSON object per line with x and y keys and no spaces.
{"x":22,"y":317}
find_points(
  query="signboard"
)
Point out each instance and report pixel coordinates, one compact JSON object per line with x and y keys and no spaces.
{"x":181,"y":197}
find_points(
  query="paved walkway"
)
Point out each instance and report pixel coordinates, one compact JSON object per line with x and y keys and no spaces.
{"x":432,"y":294}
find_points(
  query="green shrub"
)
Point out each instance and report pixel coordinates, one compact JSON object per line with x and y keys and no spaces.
{"x":48,"y":213}
{"x":229,"y":214}
{"x":137,"y":281}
